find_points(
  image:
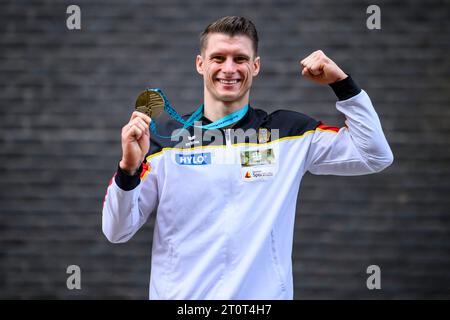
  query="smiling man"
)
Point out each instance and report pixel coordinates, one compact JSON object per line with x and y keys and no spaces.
{"x":228,"y":66}
{"x":224,"y":230}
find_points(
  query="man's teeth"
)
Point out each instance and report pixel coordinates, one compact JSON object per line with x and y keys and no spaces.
{"x":228,"y":81}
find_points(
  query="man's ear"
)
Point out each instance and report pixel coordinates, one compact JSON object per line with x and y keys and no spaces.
{"x":199,"y":64}
{"x":256,"y":66}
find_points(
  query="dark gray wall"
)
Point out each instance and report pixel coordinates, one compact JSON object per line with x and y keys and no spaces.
{"x":64,"y":96}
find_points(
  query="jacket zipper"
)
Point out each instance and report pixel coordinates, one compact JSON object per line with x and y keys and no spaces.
{"x":227,"y":133}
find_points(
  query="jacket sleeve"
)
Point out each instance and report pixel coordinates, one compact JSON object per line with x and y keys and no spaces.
{"x":356,"y":149}
{"x":128,"y":203}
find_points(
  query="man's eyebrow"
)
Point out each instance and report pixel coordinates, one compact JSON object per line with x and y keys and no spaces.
{"x":218,"y":53}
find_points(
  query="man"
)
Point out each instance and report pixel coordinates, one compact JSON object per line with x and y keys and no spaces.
{"x":224,"y":228}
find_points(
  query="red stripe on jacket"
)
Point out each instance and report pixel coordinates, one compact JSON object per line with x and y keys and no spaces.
{"x":325,"y":127}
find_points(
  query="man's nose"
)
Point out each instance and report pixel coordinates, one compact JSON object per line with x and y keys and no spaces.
{"x":229,"y":66}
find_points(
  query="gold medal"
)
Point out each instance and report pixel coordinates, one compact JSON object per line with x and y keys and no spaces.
{"x":150,"y":102}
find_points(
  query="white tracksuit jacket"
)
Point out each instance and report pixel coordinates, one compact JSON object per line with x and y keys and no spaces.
{"x":225,"y":208}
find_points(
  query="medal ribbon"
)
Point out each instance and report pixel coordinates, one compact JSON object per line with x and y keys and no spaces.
{"x":197,"y":115}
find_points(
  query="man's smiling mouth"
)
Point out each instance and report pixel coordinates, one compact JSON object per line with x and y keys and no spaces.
{"x":229,"y":81}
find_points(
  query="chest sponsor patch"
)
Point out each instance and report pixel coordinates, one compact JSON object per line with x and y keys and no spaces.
{"x":193,"y":159}
{"x":263,"y":173}
{"x":258,"y":164}
{"x":258,"y":157}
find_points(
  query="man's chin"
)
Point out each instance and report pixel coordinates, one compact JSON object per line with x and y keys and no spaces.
{"x":230,"y":97}
{"x":226,"y":97}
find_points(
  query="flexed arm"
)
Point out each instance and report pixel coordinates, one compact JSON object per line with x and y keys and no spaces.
{"x":358,"y":148}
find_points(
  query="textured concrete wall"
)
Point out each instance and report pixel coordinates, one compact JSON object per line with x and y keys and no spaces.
{"x":64,"y":96}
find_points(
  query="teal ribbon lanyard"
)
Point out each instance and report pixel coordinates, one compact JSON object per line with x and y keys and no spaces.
{"x":197,"y":115}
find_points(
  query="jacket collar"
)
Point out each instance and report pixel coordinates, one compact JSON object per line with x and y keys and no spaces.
{"x":248,"y":120}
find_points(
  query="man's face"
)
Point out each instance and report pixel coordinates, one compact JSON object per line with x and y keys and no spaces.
{"x":228,"y":65}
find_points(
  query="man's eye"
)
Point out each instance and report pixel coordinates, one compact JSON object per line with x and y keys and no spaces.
{"x":241,"y":59}
{"x":218,"y":59}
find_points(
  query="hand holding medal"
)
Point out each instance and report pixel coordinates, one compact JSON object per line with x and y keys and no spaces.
{"x":135,"y":142}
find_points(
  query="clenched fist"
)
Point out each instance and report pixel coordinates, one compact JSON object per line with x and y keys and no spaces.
{"x":319,"y":68}
{"x":135,"y":142}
